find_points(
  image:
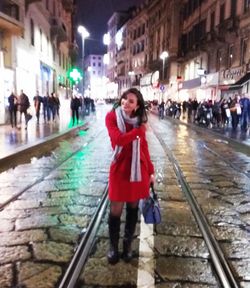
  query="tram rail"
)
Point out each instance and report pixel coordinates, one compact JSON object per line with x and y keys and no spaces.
{"x":81,"y":255}
{"x":42,"y":178}
{"x":222,"y":267}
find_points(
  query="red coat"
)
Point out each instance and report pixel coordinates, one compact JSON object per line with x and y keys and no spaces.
{"x":120,"y":187}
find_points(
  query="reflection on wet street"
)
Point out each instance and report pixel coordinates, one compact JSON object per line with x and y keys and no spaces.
{"x":41,"y":228}
{"x":13,"y":138}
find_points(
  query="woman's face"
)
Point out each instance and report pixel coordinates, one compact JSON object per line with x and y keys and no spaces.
{"x":129,"y":104}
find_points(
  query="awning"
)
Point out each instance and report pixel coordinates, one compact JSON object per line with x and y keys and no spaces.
{"x":242,"y":80}
{"x":240,"y":83}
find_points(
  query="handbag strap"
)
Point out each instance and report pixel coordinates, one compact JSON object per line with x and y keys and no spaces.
{"x":153,"y":191}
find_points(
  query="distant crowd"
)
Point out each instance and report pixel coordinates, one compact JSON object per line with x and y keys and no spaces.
{"x":48,"y":106}
{"x":234,"y":111}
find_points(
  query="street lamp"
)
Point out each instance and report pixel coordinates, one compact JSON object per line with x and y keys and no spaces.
{"x":163,"y":56}
{"x":84,"y":34}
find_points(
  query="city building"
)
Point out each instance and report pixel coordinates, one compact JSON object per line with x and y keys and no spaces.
{"x":36,"y":44}
{"x":182,"y":49}
{"x":214,"y":48}
{"x":95,"y":79}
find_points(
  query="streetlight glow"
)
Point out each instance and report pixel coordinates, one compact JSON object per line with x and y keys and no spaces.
{"x":163,"y":56}
{"x":84,"y":34}
{"x":83,"y":31}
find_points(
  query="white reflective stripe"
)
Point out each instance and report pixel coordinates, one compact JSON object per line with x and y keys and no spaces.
{"x":146,"y":263}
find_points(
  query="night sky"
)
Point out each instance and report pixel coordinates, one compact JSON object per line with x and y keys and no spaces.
{"x":94,"y":15}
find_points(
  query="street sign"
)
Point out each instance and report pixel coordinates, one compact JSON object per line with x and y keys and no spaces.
{"x":162,"y":87}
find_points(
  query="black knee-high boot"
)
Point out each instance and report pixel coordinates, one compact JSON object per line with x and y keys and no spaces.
{"x":130,"y":225}
{"x":114,"y":231}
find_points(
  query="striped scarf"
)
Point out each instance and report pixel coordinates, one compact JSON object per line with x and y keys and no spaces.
{"x":122,"y":118}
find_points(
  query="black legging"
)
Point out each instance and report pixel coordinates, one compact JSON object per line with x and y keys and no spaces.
{"x":13,"y":113}
{"x":75,"y":115}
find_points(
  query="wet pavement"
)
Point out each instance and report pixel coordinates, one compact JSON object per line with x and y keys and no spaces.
{"x":239,"y":136}
{"x":40,"y":229}
{"x":13,"y":139}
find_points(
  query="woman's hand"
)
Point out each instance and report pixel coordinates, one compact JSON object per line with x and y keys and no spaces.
{"x":152,"y":178}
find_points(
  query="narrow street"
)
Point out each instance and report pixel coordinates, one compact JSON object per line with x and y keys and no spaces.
{"x":41,"y":228}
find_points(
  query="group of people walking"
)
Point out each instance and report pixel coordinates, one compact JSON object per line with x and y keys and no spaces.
{"x":234,"y":111}
{"x":20,"y":104}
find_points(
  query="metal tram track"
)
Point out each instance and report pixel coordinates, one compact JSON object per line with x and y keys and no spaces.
{"x":230,"y":164}
{"x":221,"y":265}
{"x":81,"y":255}
{"x":42,"y":178}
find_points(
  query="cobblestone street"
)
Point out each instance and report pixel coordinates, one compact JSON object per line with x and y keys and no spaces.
{"x":40,"y":230}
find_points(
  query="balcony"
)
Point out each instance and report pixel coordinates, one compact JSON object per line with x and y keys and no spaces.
{"x":229,"y":25}
{"x":10,"y":17}
{"x":58,"y":30}
{"x":68,"y":5}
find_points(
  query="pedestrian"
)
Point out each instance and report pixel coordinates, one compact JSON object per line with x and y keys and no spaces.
{"x":75,"y":104}
{"x":244,"y":103}
{"x":12,"y":99}
{"x":45,"y":108}
{"x":37,"y":104}
{"x":234,"y":113}
{"x":51,"y":107}
{"x":131,"y":170}
{"x":23,"y":105}
{"x":57,"y":104}
{"x":161,"y":110}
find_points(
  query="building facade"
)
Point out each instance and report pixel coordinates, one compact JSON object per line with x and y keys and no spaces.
{"x":207,"y":43}
{"x":36,"y":42}
{"x":95,"y":79}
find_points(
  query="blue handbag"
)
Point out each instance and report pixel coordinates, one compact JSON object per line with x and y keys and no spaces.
{"x":150,"y":208}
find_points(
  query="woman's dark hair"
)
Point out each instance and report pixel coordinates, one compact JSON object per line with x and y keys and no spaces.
{"x":141,"y":111}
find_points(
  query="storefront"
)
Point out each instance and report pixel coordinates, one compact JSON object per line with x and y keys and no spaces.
{"x":190,"y":89}
{"x":46,"y":80}
{"x":210,"y":84}
{"x":149,"y":86}
{"x":234,"y":81}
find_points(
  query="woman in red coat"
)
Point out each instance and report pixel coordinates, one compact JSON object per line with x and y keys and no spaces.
{"x":131,"y":170}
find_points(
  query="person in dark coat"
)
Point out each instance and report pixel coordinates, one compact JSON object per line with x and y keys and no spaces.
{"x":23,"y":105}
{"x":12,"y":99}
{"x":37,"y":104}
{"x":74,"y":106}
{"x":245,"y":104}
{"x":131,"y":170}
{"x":57,"y":104}
{"x":51,"y":107}
{"x":45,"y":108}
